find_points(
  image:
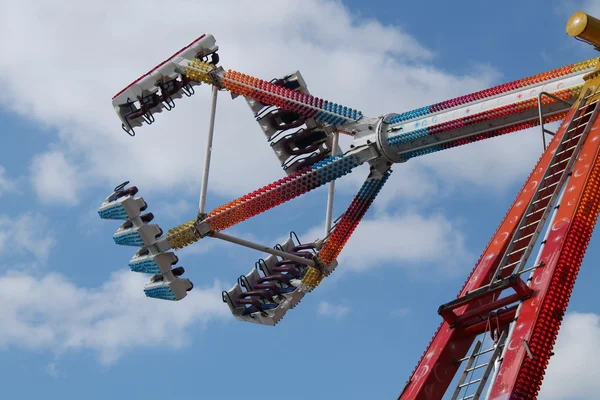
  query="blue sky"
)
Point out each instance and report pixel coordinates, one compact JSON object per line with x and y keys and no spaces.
{"x":75,"y":323}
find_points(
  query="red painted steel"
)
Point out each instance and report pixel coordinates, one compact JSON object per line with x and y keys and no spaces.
{"x":438,"y":366}
{"x":520,"y":377}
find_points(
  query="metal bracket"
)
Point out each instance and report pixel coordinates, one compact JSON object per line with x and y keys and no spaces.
{"x":331,"y":191}
{"x":541,"y":113}
{"x":266,"y":249}
{"x":527,"y":349}
{"x":209,"y":142}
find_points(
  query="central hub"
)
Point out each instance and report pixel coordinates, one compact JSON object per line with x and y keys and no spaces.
{"x":382,"y":129}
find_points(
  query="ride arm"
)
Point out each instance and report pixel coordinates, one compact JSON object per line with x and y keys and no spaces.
{"x":327,"y":255}
{"x":269,"y":196}
{"x":488,"y":113}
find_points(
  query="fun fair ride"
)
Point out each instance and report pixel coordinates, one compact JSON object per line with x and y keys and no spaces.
{"x":497,"y":336}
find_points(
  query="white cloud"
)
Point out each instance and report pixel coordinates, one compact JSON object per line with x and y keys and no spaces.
{"x":27,"y":233}
{"x":493,"y":163}
{"x":336,"y":53}
{"x":210,"y":244}
{"x":55,"y":179}
{"x":590,"y":7}
{"x":400,"y":312}
{"x":176,"y":208}
{"x":52,"y":370}
{"x":52,"y":313}
{"x":573,"y":370}
{"x":336,"y":311}
{"x":403,"y":239}
{"x":409,"y":183}
{"x":5,"y":183}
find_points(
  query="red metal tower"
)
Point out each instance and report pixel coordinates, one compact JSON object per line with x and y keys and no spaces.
{"x":521,"y":316}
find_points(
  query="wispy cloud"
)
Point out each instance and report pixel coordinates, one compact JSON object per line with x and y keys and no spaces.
{"x":55,"y":179}
{"x":176,"y":208}
{"x":166,"y":156}
{"x":52,"y":370}
{"x":28,"y":234}
{"x":402,"y":240}
{"x":573,"y":370}
{"x":336,"y":311}
{"x":400,"y":312}
{"x":54,"y":314}
{"x":6,"y":184}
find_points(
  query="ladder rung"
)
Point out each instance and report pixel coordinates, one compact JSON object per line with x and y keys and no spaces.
{"x":517,"y":251}
{"x":530,"y":224}
{"x":578,"y":126}
{"x":593,"y":102}
{"x":573,"y":138}
{"x":542,"y":199}
{"x":558,"y":163}
{"x":460,"y":360}
{"x":487,"y":351}
{"x":564,"y":151}
{"x":584,"y":105}
{"x":534,"y":212}
{"x":476,"y":367}
{"x":469,"y":383}
{"x":510,"y":265}
{"x":480,"y":382}
{"x":590,"y":104}
{"x":574,"y":128}
{"x":521,"y":238}
{"x":474,"y":355}
{"x":583,"y":115}
{"x":554,"y":174}
{"x":549,"y":186}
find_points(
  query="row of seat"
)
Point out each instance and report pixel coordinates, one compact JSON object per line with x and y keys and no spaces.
{"x":298,"y":141}
{"x":265,"y":298}
{"x":156,"y":90}
{"x":137,"y":111}
{"x":153,"y":256}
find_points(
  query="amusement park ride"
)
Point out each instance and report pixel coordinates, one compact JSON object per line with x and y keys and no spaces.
{"x":514,"y":306}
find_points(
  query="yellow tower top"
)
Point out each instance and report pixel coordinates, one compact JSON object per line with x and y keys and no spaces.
{"x":584,"y":27}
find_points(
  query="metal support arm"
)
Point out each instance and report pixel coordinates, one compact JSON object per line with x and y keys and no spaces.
{"x":541,"y":113}
{"x":207,"y":156}
{"x":266,"y":249}
{"x":331,"y":192}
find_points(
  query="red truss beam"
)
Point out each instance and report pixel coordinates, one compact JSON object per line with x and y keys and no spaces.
{"x":520,"y":377}
{"x":437,"y":367}
{"x":500,"y":319}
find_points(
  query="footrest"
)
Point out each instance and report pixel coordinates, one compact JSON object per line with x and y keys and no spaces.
{"x":153,"y":263}
{"x":154,"y":91}
{"x":137,"y":236}
{"x":174,"y":290}
{"x":122,"y":208}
